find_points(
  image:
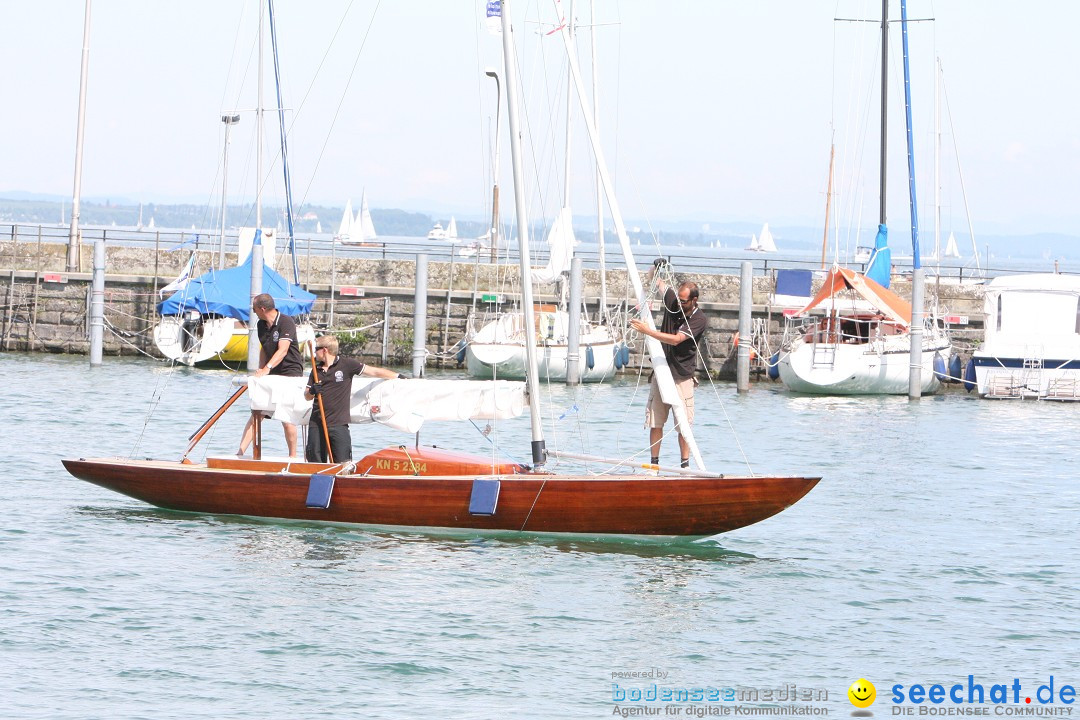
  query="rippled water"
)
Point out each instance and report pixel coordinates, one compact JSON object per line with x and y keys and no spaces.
{"x":942,"y":542}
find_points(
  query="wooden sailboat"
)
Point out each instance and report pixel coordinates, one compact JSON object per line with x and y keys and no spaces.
{"x":425,"y":487}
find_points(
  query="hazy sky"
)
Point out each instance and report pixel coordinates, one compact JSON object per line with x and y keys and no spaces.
{"x":717,"y":110}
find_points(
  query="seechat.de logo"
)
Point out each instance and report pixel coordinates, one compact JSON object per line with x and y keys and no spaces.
{"x":862,"y":693}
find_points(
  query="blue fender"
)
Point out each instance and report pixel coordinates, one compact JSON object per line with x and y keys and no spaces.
{"x":625,"y":352}
{"x":774,"y":366}
{"x":955,"y":368}
{"x":939,"y":368}
{"x":590,"y":360}
{"x":969,"y":375}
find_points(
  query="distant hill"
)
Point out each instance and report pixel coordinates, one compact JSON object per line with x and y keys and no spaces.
{"x":36,"y":208}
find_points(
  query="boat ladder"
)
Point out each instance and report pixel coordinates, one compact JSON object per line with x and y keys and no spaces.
{"x":824,"y":355}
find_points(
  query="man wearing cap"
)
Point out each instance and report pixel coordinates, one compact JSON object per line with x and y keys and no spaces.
{"x":681,"y":332}
{"x":332,"y":394}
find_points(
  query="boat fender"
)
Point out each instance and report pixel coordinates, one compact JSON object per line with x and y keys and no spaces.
{"x":955,"y":368}
{"x":460,"y":357}
{"x":969,"y":375}
{"x":590,"y":360}
{"x":939,"y":368}
{"x":625,"y":355}
{"x":618,"y":357}
{"x":774,"y":366}
{"x":484,"y":498}
{"x":320,"y":487}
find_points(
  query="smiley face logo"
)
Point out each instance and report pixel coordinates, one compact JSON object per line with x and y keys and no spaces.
{"x":862,"y":693}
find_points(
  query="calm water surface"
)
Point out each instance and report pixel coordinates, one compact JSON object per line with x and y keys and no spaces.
{"x":942,"y":542}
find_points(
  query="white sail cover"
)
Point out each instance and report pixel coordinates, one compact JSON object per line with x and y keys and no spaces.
{"x":561,"y":243}
{"x":402,"y":404}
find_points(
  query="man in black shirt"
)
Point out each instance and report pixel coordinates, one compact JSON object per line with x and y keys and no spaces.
{"x":279,"y":354}
{"x":335,"y":390}
{"x":681,"y":332}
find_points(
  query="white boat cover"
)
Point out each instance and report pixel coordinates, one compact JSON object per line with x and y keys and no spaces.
{"x":401,"y":404}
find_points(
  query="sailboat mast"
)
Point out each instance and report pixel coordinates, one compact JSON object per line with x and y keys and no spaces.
{"x":828,"y":205}
{"x":668,"y":393}
{"x":73,"y":232}
{"x":937,"y":164}
{"x":569,"y":109}
{"x":256,"y":256}
{"x":884,"y":108}
{"x":599,"y":198}
{"x":539,"y":452}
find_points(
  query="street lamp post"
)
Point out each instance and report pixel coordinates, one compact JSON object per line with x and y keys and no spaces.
{"x":229,"y":121}
{"x":494,"y":231}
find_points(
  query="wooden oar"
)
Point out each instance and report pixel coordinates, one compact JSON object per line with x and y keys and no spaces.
{"x":198,"y":434}
{"x":322,"y":411}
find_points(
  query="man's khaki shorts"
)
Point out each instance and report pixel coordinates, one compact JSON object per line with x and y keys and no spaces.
{"x":656,"y":413}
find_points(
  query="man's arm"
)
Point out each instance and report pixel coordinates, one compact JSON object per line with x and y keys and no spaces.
{"x":378,"y":372}
{"x":282,"y":350}
{"x":666,"y":338}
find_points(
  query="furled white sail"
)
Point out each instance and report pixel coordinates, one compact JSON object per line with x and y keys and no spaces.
{"x":561,"y":245}
{"x":401,"y":404}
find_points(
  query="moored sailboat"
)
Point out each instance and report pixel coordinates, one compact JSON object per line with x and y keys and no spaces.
{"x":869,"y":340}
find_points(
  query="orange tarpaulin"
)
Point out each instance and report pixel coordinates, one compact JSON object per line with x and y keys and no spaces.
{"x":886,"y":301}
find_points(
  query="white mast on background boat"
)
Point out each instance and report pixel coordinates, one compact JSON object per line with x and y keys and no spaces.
{"x":73,"y":234}
{"x":539,"y":451}
{"x":256,"y":247}
{"x":599,"y":197}
{"x":668,"y":392}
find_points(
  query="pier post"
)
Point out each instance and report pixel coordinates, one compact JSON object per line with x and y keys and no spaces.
{"x":256,"y":289}
{"x":385,"y":328}
{"x":915,"y":372}
{"x":420,"y":317}
{"x":746,"y":307}
{"x":97,"y":303}
{"x":573,"y":341}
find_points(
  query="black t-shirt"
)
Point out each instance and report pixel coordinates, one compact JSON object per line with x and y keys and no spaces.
{"x":284,"y":327}
{"x":682,"y":358}
{"x":336,"y":390}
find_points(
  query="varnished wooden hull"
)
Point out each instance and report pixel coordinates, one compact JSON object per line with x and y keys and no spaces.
{"x":540,"y":503}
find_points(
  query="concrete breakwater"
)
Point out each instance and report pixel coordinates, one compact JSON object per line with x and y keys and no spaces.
{"x":368,"y":302}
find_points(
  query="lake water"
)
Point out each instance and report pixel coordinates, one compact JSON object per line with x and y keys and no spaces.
{"x":941,"y":543}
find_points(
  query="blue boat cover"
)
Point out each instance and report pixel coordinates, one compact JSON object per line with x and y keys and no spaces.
{"x":794,"y":282}
{"x":228,"y":293}
{"x":880,"y":268}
